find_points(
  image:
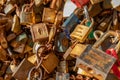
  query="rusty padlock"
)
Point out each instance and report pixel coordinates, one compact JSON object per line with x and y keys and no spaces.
{"x":9,"y":8}
{"x":82,"y":31}
{"x":95,"y":61}
{"x":39,"y":32}
{"x":95,"y":1}
{"x":22,"y":70}
{"x":49,"y":18}
{"x":26,"y":17}
{"x":16,"y":27}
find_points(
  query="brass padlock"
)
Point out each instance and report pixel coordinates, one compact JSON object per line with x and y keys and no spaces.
{"x":49,"y":18}
{"x":3,"y":54}
{"x":22,"y":70}
{"x":27,"y":17}
{"x":82,"y":31}
{"x":16,"y":27}
{"x":39,"y":32}
{"x":96,"y":1}
{"x":95,"y":61}
{"x":9,"y":8}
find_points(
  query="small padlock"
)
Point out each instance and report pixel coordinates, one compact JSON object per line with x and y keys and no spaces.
{"x":95,"y":1}
{"x":26,"y":17}
{"x":39,"y":32}
{"x":9,"y":8}
{"x":49,"y":18}
{"x":116,"y":4}
{"x":16,"y":27}
{"x":22,"y":70}
{"x":82,"y":31}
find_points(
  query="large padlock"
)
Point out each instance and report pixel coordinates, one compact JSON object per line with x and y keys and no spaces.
{"x":26,"y":17}
{"x":82,"y":30}
{"x":95,"y":61}
{"x":49,"y":18}
{"x":116,"y":4}
{"x":39,"y":32}
{"x":22,"y":70}
{"x":96,"y":1}
{"x":16,"y":27}
{"x":9,"y":8}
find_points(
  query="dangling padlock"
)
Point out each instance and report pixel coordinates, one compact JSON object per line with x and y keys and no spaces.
{"x":82,"y":30}
{"x":26,"y":18}
{"x":16,"y":27}
{"x":9,"y":8}
{"x":49,"y":18}
{"x":39,"y":32}
{"x":95,"y":61}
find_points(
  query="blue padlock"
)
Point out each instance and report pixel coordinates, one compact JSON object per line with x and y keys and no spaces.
{"x":70,"y":23}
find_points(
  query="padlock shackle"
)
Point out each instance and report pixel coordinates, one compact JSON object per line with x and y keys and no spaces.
{"x":103,"y":37}
{"x":96,"y":33}
{"x":24,"y":6}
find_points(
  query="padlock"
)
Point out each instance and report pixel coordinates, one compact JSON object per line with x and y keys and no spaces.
{"x":49,"y":18}
{"x":116,"y":4}
{"x":3,"y":40}
{"x":39,"y":32}
{"x":71,"y":22}
{"x":3,"y":54}
{"x":61,"y":42}
{"x":94,"y":10}
{"x":80,"y":3}
{"x":27,"y":17}
{"x":16,"y":27}
{"x":56,"y":4}
{"x":38,"y":2}
{"x":82,"y":30}
{"x":62,"y":76}
{"x":11,"y":37}
{"x":9,"y":8}
{"x":22,"y":70}
{"x":95,"y":61}
{"x":96,"y":1}
{"x":104,"y":25}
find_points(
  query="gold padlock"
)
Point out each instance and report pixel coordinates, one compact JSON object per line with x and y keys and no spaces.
{"x":96,"y":1}
{"x":81,"y":31}
{"x":49,"y":18}
{"x":39,"y":32}
{"x":16,"y":27}
{"x":22,"y":70}
{"x":27,"y":17}
{"x":9,"y":8}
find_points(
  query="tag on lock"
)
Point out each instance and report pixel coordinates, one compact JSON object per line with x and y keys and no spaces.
{"x":9,"y":8}
{"x":82,"y":31}
{"x":26,"y":17}
{"x":116,"y":4}
{"x":39,"y":32}
{"x":95,"y":61}
{"x":49,"y":18}
{"x":16,"y":27}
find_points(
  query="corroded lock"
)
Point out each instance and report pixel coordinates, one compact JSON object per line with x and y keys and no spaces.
{"x":49,"y":18}
{"x":96,"y":1}
{"x":16,"y":27}
{"x":26,"y":17}
{"x":9,"y":8}
{"x":22,"y":70}
{"x":39,"y":32}
{"x":95,"y":61}
{"x":82,"y":31}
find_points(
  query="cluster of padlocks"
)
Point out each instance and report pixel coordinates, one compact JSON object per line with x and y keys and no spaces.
{"x":59,"y":39}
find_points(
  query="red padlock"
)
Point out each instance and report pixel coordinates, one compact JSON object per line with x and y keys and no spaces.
{"x":80,"y":3}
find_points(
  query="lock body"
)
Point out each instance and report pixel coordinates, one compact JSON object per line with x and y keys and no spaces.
{"x":49,"y":18}
{"x":39,"y":32}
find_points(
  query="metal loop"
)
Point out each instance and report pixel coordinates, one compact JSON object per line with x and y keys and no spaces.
{"x":96,"y":33}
